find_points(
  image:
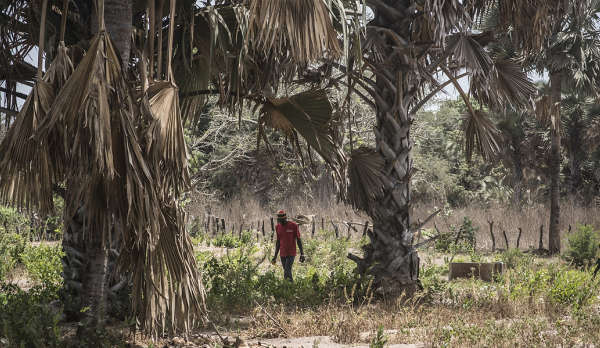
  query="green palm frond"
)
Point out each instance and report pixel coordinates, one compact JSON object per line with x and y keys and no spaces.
{"x":310,"y":114}
{"x":366,"y":179}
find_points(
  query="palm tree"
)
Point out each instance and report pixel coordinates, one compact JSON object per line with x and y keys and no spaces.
{"x":111,"y":131}
{"x":570,"y":56}
{"x":408,"y":43}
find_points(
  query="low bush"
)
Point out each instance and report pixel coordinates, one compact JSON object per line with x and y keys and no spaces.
{"x":43,"y":264}
{"x":583,"y":245}
{"x":29,"y":318}
{"x":12,"y":246}
{"x":238,"y":279}
{"x":230,"y":241}
{"x":459,"y":239}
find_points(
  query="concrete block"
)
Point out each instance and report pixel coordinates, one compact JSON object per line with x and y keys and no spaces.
{"x":484,"y":271}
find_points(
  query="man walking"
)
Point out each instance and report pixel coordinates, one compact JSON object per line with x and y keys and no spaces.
{"x":288,"y":235}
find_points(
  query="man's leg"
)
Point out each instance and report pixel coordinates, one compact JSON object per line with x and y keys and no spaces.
{"x":287,"y":263}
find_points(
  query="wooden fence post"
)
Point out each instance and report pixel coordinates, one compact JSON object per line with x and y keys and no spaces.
{"x":263,"y":229}
{"x":366,"y":228}
{"x":505,"y":239}
{"x":272,"y":228}
{"x":492,"y":234}
{"x":322,"y":223}
{"x":349,"y":227}
{"x":519,"y":237}
{"x":335,"y":228}
{"x":223,"y":226}
{"x":232,"y":228}
{"x":541,"y":243}
{"x":313,"y":227}
{"x":241,"y":227}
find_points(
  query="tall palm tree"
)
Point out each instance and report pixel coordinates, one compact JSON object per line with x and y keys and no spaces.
{"x":408,"y":43}
{"x":112,"y":131}
{"x":570,"y":56}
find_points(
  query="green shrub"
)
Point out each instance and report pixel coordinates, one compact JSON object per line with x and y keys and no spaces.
{"x":458,"y":239}
{"x":43,"y":263}
{"x":572,"y":288}
{"x":28,"y":319}
{"x":380,"y":340}
{"x":515,"y":257}
{"x":582,"y":245}
{"x":230,"y":241}
{"x":12,"y":246}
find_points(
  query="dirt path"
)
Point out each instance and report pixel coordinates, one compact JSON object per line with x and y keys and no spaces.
{"x":315,"y":341}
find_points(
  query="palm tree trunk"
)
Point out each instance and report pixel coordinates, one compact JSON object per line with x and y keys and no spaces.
{"x":390,"y":257}
{"x":554,"y":232}
{"x":518,"y":173}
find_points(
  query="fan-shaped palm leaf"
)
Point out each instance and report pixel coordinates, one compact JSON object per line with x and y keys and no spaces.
{"x":310,"y":114}
{"x":481,"y":135}
{"x":366,"y":179}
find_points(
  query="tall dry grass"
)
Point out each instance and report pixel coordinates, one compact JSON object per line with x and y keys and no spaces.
{"x":508,"y":219}
{"x":248,"y":209}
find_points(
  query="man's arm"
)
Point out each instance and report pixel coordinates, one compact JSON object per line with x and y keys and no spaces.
{"x":299,"y":241}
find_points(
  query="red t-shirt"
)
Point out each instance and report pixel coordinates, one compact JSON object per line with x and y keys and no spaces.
{"x":286,"y":235}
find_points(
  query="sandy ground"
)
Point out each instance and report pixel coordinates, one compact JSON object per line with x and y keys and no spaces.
{"x":314,"y":341}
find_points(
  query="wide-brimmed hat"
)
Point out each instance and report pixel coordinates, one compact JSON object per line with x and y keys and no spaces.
{"x":281,"y":214}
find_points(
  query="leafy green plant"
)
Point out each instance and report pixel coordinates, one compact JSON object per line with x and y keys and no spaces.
{"x":458,"y":239}
{"x":43,"y":263}
{"x":582,"y":245}
{"x":12,"y":246}
{"x":513,"y":257}
{"x":380,"y":340}
{"x":29,"y":319}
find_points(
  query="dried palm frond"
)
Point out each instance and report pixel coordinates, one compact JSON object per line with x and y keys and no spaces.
{"x":469,"y":53}
{"x":28,"y":170}
{"x":506,"y":84}
{"x":481,"y":135}
{"x":302,"y":27}
{"x":164,"y":137}
{"x":365,"y":172}
{"x":167,"y":276}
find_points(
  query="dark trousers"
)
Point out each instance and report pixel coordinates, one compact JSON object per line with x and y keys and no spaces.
{"x":287,"y":262}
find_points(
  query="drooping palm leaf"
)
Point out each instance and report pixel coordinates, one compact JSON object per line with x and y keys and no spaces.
{"x":301,"y":27}
{"x":366,"y":179}
{"x":506,"y":84}
{"x":164,"y":137}
{"x":165,"y":141}
{"x":481,"y":135}
{"x":28,"y":170}
{"x":470,"y":54}
{"x":310,"y":114}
